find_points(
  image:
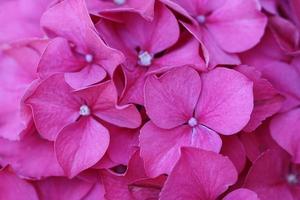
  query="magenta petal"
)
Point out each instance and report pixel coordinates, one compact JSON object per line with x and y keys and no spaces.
{"x":60,"y":188}
{"x":14,"y":188}
{"x":170,"y":100}
{"x":35,"y":162}
{"x":81,"y":145}
{"x":226,"y":101}
{"x":65,"y":61}
{"x":243,"y":18}
{"x":241,"y":194}
{"x":89,"y":75}
{"x":267,"y":176}
{"x":285,"y":130}
{"x":102,"y":99}
{"x":194,"y":179}
{"x":53,"y":106}
{"x":234,"y":149}
{"x":68,"y":19}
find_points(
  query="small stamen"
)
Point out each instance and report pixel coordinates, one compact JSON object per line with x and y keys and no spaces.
{"x":292,"y":179}
{"x":145,"y":59}
{"x":119,"y":2}
{"x":193,"y":122}
{"x":84,"y":110}
{"x":89,"y":58}
{"x":201,"y":19}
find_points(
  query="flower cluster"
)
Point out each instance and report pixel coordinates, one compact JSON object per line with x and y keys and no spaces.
{"x":150,"y":99}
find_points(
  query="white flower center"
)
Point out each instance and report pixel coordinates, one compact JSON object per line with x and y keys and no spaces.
{"x":192,"y":122}
{"x":145,"y":59}
{"x":292,"y":179}
{"x":119,"y":2}
{"x":84,"y":110}
{"x":201,"y":19}
{"x":89,"y":58}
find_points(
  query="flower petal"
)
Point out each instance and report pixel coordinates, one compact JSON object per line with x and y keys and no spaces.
{"x":81,"y":145}
{"x":194,"y":179}
{"x":170,"y":100}
{"x":226,"y":101}
{"x":241,"y":194}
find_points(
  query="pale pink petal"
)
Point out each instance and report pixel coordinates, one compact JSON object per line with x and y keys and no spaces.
{"x":170,"y":100}
{"x":53,"y":106}
{"x":14,"y":188}
{"x":102,"y":99}
{"x":237,"y":25}
{"x":194,"y":179}
{"x":81,"y":145}
{"x":226,"y":101}
{"x":60,"y":188}
{"x":285,"y":130}
{"x":241,"y":194}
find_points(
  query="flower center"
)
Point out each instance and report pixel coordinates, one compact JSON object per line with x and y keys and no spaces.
{"x":89,"y":58}
{"x":84,"y":110}
{"x":145,"y":59}
{"x":193,"y":122}
{"x":292,"y":179}
{"x":201,"y":19}
{"x":119,"y":2}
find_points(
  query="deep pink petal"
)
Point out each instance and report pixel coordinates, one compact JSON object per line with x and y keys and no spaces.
{"x":226,"y":101}
{"x":68,"y":19}
{"x":102,"y":99}
{"x":267,"y":176}
{"x":267,"y":100}
{"x":14,"y":188}
{"x":194,"y":179}
{"x":31,"y":157}
{"x":60,"y":188}
{"x":244,"y":19}
{"x":234,"y":149}
{"x":160,"y":148}
{"x":81,"y":145}
{"x":241,"y":194}
{"x":170,"y":100}
{"x":53,"y":106}
{"x":285,"y":130}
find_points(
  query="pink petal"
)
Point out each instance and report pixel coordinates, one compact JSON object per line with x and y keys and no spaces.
{"x":244,"y":19}
{"x":194,"y":179}
{"x":267,"y":100}
{"x":102,"y":99}
{"x":226,"y":101}
{"x":68,"y":19}
{"x":241,"y":194}
{"x":81,"y":145}
{"x":53,"y":106}
{"x":31,"y":157}
{"x":285,"y":131}
{"x":267,"y":176}
{"x":170,"y":100}
{"x":60,"y":188}
{"x":14,"y":188}
{"x":89,"y":75}
{"x":234,"y":149}
{"x":215,"y":55}
{"x":65,"y":61}
{"x":160,"y":148}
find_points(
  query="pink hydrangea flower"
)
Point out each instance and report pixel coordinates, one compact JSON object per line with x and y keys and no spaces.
{"x":188,"y":109}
